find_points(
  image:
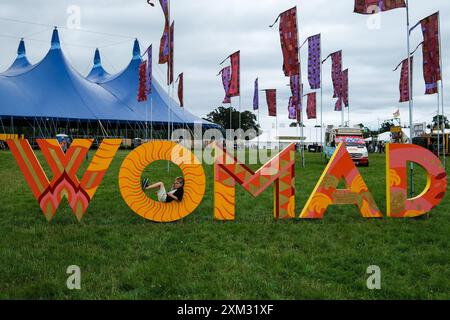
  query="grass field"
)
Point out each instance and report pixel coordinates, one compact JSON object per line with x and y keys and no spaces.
{"x":123,"y":256}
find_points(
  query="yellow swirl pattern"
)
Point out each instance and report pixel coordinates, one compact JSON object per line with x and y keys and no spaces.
{"x":394,"y":178}
{"x":130,"y":181}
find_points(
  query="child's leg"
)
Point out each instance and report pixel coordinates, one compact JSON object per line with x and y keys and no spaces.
{"x":157,"y":185}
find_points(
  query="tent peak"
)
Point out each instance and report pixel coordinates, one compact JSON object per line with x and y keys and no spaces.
{"x":21,"y":51}
{"x":55,"y":39}
{"x":97,"y":58}
{"x":136,"y":50}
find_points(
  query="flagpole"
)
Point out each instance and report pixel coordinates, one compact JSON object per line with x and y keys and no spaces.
{"x":444,"y":142}
{"x":438,"y":124}
{"x":300,"y":97}
{"x":411,"y":105}
{"x":321,"y":100}
{"x":151,"y":116}
{"x":168,"y":80}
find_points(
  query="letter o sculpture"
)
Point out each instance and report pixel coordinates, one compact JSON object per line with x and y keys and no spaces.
{"x":130,"y":181}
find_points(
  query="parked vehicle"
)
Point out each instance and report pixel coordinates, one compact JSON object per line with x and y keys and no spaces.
{"x":354,"y":143}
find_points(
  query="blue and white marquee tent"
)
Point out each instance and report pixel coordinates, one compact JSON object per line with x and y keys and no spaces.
{"x":53,"y":94}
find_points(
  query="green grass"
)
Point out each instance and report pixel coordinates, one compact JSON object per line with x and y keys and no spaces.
{"x":123,"y":256}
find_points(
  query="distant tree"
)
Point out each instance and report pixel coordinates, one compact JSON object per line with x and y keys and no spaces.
{"x":295,"y":125}
{"x":386,"y":126}
{"x":437,"y":123}
{"x":221,"y":116}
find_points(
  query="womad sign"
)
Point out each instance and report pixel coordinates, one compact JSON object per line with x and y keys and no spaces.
{"x":278,"y":173}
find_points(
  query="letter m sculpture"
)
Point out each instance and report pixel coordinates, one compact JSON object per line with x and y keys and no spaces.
{"x":279,"y":171}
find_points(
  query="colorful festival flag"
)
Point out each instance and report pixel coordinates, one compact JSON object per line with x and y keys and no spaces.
{"x":338,"y":105}
{"x":171,"y":55}
{"x":226,"y":78}
{"x":314,"y":63}
{"x":142,"y":90}
{"x":336,"y":72}
{"x":234,"y":87}
{"x":164,"y":46}
{"x":180,"y":89}
{"x":271,"y":97}
{"x":149,"y":70}
{"x":256,"y":96}
{"x":289,"y":41}
{"x":404,"y":84}
{"x":165,"y":8}
{"x":344,"y":92}
{"x":376,"y":6}
{"x":311,"y":106}
{"x":292,"y":109}
{"x":431,"y":53}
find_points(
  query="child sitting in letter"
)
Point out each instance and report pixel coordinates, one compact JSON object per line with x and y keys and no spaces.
{"x":175,"y":194}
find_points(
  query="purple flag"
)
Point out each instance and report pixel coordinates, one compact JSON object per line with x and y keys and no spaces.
{"x":292,"y":110}
{"x":336,"y":72}
{"x":226,"y":77}
{"x":314,"y":63}
{"x":256,"y":96}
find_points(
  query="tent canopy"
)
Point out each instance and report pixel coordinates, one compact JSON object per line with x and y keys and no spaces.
{"x":53,"y":89}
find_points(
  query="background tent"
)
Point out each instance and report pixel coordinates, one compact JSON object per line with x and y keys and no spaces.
{"x":53,"y":95}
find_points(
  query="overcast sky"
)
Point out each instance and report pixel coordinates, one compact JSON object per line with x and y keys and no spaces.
{"x":207,"y":31}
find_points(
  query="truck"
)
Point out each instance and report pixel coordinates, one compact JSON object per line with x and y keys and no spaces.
{"x":353,"y":140}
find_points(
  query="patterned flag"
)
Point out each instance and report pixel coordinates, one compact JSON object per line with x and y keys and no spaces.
{"x":164,"y":46}
{"x":375,"y":6}
{"x":338,"y":105}
{"x":314,"y":63}
{"x":142,"y":90}
{"x":171,"y":55}
{"x":344,"y":92}
{"x":431,"y":53}
{"x":292,"y":109}
{"x":233,"y":90}
{"x":271,"y":97}
{"x":404,"y":85}
{"x":180,"y":89}
{"x":165,"y":7}
{"x":396,"y":114}
{"x":336,"y":72}
{"x":311,"y":106}
{"x":256,"y":96}
{"x":226,"y":78}
{"x":289,"y":41}
{"x":149,"y":70}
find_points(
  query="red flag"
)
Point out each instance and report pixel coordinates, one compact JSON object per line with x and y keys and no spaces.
{"x":311,"y":106}
{"x":271,"y":97}
{"x":289,"y":41}
{"x":404,"y":85}
{"x":142,"y":90}
{"x":234,"y":88}
{"x":375,"y":6}
{"x":180,"y":89}
{"x":431,"y":54}
{"x":296,"y":101}
{"x":344,"y":92}
{"x":171,"y":55}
